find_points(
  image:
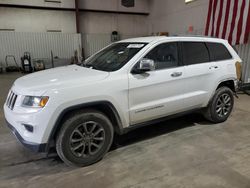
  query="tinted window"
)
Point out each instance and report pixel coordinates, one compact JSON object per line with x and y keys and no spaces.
{"x":114,"y":57}
{"x":218,"y":52}
{"x":195,"y":52}
{"x":165,"y":55}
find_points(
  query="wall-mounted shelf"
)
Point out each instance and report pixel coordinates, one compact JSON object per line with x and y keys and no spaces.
{"x":54,"y":31}
{"x":7,"y":29}
{"x":52,"y":1}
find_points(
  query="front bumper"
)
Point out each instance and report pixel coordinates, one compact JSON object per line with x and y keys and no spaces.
{"x":32,"y":146}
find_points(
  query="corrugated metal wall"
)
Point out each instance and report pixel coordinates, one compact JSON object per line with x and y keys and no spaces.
{"x":94,"y":42}
{"x":244,"y":53}
{"x":39,"y":45}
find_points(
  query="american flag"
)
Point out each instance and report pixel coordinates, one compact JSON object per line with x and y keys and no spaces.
{"x":229,"y":19}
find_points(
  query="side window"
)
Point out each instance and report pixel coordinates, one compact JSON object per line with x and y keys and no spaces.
{"x":218,"y":52}
{"x":194,"y":53}
{"x":165,"y":55}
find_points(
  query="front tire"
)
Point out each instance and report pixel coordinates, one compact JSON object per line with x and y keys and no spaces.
{"x":85,"y":137}
{"x":221,"y":105}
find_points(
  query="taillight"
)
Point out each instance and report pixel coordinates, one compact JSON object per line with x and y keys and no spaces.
{"x":238,"y":69}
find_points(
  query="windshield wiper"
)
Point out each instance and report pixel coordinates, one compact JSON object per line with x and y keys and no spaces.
{"x":90,"y":66}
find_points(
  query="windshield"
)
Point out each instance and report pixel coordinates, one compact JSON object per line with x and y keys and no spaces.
{"x":114,"y":57}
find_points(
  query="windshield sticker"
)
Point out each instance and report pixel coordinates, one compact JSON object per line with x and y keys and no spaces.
{"x":121,"y":52}
{"x":135,"y":46}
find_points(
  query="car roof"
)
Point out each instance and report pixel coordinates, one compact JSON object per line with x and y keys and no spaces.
{"x":177,"y":38}
{"x":144,"y":39}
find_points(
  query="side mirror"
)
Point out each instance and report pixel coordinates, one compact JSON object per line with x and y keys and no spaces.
{"x":145,"y":65}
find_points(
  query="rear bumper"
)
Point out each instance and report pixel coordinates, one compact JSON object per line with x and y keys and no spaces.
{"x":32,"y":146}
{"x":236,"y":85}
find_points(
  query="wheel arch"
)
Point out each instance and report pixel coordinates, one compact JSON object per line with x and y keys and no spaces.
{"x":230,"y":83}
{"x":106,"y":107}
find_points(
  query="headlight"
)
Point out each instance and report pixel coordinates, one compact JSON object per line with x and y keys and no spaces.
{"x":38,"y":102}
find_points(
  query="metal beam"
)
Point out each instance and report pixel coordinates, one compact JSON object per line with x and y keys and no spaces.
{"x":77,"y":16}
{"x":35,"y":7}
{"x":71,"y":9}
{"x":115,"y":12}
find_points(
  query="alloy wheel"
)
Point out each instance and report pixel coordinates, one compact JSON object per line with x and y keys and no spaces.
{"x":87,"y":139}
{"x":223,"y":105}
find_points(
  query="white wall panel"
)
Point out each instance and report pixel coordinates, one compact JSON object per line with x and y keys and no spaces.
{"x":134,"y":25}
{"x":174,"y":16}
{"x":38,"y":44}
{"x":115,"y":5}
{"x":103,"y":23}
{"x":28,"y":20}
{"x":63,"y":4}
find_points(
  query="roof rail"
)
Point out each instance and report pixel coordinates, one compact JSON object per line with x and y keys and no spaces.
{"x":203,"y":36}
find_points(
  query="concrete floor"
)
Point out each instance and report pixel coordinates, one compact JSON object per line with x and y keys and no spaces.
{"x":184,"y":152}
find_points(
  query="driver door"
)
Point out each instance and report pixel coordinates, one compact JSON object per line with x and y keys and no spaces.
{"x":160,"y":92}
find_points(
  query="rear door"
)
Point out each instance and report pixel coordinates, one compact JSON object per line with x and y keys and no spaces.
{"x":222,"y":58}
{"x":200,"y":74}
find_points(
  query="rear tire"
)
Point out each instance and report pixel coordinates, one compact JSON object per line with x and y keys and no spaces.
{"x":221,"y":105}
{"x":85,"y":137}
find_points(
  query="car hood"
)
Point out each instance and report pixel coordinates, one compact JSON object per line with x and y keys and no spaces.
{"x":67,"y":76}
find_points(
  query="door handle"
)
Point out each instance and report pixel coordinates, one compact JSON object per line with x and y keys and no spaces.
{"x":213,"y":67}
{"x":176,"y":74}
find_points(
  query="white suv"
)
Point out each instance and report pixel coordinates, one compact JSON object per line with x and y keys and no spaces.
{"x":128,"y":84}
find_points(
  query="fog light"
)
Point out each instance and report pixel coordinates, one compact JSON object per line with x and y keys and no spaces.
{"x":28,"y":127}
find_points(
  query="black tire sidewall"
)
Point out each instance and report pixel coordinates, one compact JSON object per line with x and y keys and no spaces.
{"x":65,"y":133}
{"x":215,"y":117}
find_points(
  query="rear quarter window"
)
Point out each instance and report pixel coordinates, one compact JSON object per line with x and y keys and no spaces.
{"x":218,"y":51}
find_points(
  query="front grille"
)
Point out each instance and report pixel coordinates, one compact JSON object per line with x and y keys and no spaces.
{"x":11,"y":100}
